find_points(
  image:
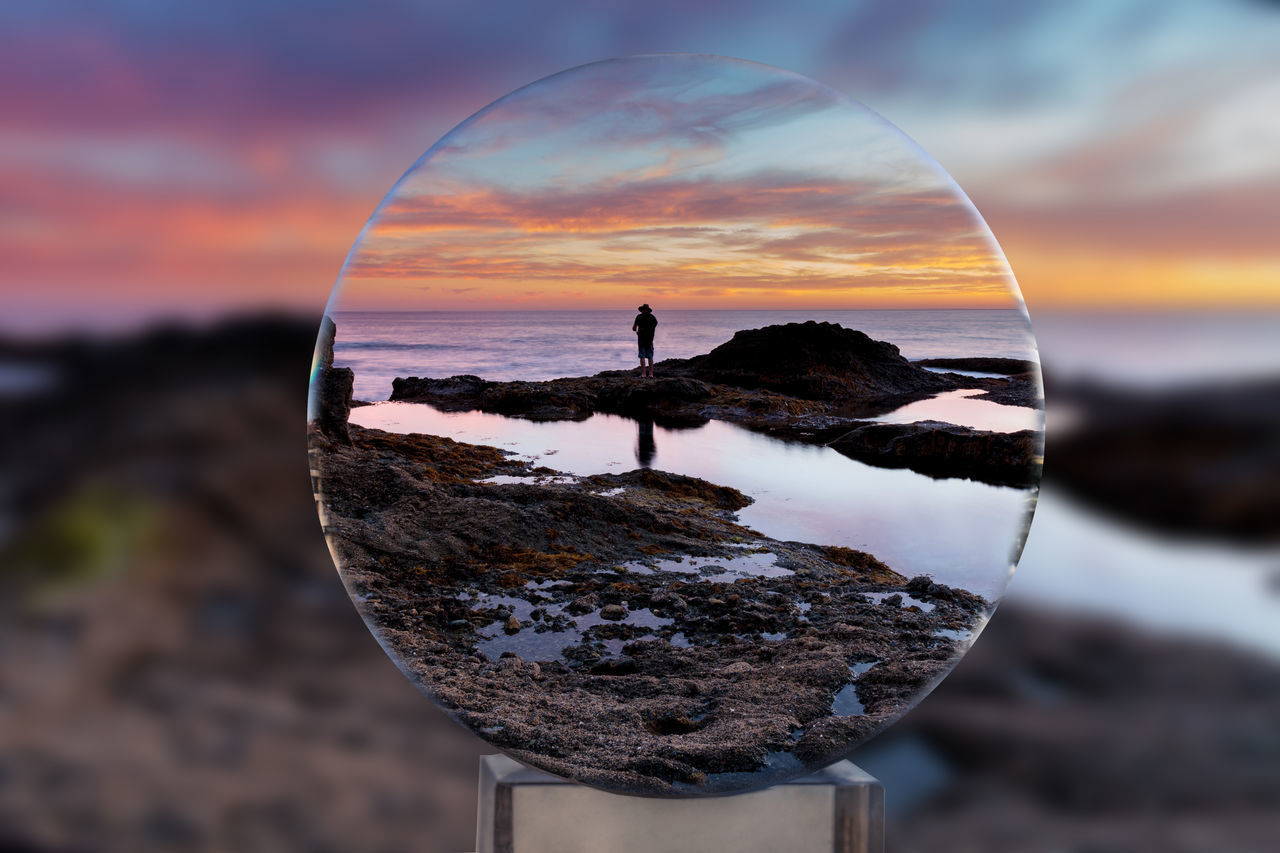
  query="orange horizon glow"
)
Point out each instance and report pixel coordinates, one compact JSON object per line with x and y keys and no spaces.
{"x":690,"y":182}
{"x":127,"y":193}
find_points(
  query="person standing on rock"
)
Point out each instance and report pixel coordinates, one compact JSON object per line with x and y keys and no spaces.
{"x":643,"y":327}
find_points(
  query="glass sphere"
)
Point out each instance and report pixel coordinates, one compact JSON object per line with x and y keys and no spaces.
{"x":676,"y":424}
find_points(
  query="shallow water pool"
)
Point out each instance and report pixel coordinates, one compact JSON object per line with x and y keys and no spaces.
{"x":961,"y":532}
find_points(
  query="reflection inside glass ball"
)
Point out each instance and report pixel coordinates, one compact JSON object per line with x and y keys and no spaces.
{"x":676,"y":424}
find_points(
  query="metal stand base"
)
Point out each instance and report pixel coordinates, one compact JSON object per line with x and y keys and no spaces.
{"x":837,"y":810}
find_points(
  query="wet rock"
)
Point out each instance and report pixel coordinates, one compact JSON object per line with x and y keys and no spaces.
{"x":414,"y":531}
{"x":667,"y":600}
{"x":676,"y":485}
{"x":802,"y":381}
{"x":924,"y":588}
{"x":331,"y":391}
{"x":946,"y":450}
{"x":583,"y":604}
{"x":675,"y":723}
{"x":1008,"y":366}
{"x":512,"y":625}
{"x":324,"y":345}
{"x":614,"y":666}
{"x":1196,"y":460}
{"x":1018,"y":384}
{"x":814,"y":361}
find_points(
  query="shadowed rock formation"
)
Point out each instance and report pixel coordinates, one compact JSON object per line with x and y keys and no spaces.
{"x":332,"y":389}
{"x":946,"y":450}
{"x":812,"y":361}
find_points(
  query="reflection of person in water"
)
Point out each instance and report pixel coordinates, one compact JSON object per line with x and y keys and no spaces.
{"x":643,"y":327}
{"x":646,"y":449}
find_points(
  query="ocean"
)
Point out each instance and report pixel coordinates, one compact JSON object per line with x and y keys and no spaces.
{"x":537,"y":345}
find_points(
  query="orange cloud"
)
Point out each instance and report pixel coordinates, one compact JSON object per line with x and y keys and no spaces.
{"x":767,"y":238}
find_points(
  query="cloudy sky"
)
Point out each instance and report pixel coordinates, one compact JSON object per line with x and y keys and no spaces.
{"x":688,"y":181}
{"x":202,"y":159}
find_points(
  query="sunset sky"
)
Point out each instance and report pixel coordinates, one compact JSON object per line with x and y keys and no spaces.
{"x":692,"y":182}
{"x":197,"y":160}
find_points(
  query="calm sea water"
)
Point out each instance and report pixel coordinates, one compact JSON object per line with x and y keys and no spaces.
{"x":534,"y":345}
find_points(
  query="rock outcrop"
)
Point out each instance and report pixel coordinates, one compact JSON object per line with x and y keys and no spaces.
{"x":809,"y":382}
{"x":619,"y":629}
{"x":331,"y":388}
{"x":812,"y":361}
{"x":946,"y":450}
{"x":1016,"y":385}
{"x":1185,"y":461}
{"x":1005,"y":366}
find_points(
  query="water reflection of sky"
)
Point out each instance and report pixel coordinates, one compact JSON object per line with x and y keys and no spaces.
{"x":959,"y":531}
{"x":959,"y":407}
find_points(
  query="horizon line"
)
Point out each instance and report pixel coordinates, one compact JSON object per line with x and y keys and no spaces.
{"x":563,"y":310}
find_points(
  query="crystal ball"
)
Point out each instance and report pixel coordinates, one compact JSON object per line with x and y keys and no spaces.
{"x":676,"y":424}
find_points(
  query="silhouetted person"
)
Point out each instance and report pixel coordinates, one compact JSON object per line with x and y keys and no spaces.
{"x":643,"y":327}
{"x":646,"y":448}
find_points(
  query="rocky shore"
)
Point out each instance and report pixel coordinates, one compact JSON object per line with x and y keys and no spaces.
{"x":1197,"y":461}
{"x":810,"y":382}
{"x":946,"y":450}
{"x":222,"y":694}
{"x":624,"y":629}
{"x":1016,"y":386}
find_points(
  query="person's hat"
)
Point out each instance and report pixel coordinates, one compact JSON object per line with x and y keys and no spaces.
{"x":645,"y":308}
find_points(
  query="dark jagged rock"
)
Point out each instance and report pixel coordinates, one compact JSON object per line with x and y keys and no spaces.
{"x":1046,"y":708}
{"x":807,"y":382}
{"x":812,"y":361}
{"x":558,"y":399}
{"x":331,"y":388}
{"x":333,"y":401}
{"x":1006,"y":366}
{"x":324,"y":345}
{"x":946,"y":450}
{"x":1022,"y":389}
{"x":1191,"y":461}
{"x":665,"y":677}
{"x":1018,"y":385}
{"x":804,"y":363}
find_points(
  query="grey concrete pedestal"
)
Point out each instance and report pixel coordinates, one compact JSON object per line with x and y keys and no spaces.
{"x":837,"y":810}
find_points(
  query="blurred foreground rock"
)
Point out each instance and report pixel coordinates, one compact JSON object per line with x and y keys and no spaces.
{"x":331,"y":389}
{"x":1201,"y":461}
{"x":180,"y":668}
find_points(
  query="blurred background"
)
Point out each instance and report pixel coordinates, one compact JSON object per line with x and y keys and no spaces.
{"x":180,"y":668}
